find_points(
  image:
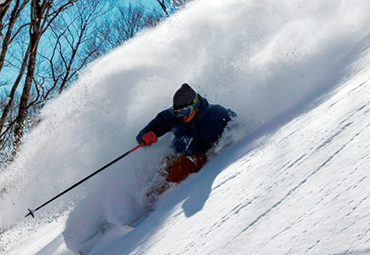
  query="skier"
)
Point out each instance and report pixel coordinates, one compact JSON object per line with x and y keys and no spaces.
{"x":196,"y":125}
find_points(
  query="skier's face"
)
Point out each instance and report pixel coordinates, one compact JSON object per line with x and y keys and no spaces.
{"x":191,"y":116}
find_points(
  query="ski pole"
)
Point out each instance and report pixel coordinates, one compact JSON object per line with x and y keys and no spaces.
{"x":31,"y":212}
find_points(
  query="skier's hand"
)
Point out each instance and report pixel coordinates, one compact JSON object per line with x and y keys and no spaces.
{"x":149,"y":138}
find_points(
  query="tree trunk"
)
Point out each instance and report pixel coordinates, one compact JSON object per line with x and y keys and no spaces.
{"x":163,"y":6}
{"x":40,"y":21}
{"x":11,"y":96}
{"x":5,"y":44}
{"x":35,"y":34}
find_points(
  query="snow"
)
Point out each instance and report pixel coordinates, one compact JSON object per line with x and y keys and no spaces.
{"x":296,"y":72}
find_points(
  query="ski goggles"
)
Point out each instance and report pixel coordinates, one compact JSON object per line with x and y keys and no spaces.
{"x":187,"y":110}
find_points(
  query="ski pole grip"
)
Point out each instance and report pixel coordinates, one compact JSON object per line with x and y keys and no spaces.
{"x":137,"y":147}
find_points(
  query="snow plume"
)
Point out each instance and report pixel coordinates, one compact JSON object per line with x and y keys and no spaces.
{"x":260,"y":58}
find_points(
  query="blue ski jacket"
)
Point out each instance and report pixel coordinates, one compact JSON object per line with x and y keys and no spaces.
{"x":195,"y":137}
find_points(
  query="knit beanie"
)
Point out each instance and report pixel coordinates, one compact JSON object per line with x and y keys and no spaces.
{"x":184,"y":96}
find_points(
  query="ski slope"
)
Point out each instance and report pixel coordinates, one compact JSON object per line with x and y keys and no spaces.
{"x":295,"y":181}
{"x":302,"y":188}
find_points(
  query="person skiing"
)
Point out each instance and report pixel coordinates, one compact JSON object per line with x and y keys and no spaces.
{"x":196,"y":125}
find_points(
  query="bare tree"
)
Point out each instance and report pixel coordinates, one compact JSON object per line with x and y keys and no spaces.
{"x":153,"y":18}
{"x":8,"y":38}
{"x":12,"y":18}
{"x":162,"y":3}
{"x":72,"y":33}
{"x":127,"y":21}
{"x":168,"y":6}
{"x":42,"y":15}
{"x":177,"y":4}
{"x":3,"y":10}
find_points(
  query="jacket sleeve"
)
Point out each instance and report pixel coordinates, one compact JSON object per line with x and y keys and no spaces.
{"x":229,"y":116}
{"x":160,"y":125}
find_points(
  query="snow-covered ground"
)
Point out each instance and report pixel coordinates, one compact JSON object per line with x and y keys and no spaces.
{"x":295,"y":182}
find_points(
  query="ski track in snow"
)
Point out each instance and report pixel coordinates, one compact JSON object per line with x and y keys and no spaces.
{"x":347,"y":133}
{"x":293,"y":184}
